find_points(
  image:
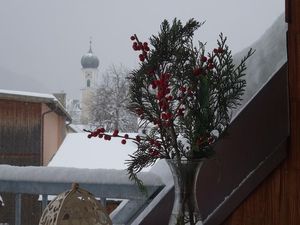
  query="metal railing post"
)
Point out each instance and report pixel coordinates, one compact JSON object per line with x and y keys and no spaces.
{"x":18,"y":208}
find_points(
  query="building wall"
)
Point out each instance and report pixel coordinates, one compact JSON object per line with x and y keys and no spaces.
{"x":20,"y":144}
{"x":54,"y":131}
{"x":20,"y":132}
{"x":277,"y":200}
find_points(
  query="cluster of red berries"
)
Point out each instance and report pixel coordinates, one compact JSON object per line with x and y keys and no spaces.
{"x":163,"y":98}
{"x":209,"y":62}
{"x":218,"y":50}
{"x":153,"y":151}
{"x":139,"y":46}
{"x":100,"y":133}
{"x":154,"y":145}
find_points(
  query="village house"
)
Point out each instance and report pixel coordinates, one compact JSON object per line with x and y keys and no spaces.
{"x":32,"y":127}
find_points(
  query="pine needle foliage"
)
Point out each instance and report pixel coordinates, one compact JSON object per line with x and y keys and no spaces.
{"x":182,"y":94}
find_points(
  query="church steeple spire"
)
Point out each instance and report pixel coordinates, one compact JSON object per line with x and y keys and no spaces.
{"x":90,"y":51}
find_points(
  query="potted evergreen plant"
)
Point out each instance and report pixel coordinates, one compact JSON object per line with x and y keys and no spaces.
{"x":184,"y":97}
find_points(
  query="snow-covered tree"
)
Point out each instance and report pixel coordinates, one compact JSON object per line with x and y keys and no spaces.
{"x":110,"y":101}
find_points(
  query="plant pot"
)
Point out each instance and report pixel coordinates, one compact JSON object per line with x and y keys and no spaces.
{"x":185,"y":207}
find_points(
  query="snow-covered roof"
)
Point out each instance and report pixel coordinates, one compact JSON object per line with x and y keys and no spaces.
{"x":34,"y":97}
{"x":20,"y":94}
{"x":81,"y":152}
{"x":270,"y":55}
{"x":77,"y":128}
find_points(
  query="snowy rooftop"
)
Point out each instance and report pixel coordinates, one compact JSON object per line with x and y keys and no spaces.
{"x":81,"y":152}
{"x":16,"y":94}
{"x":33,"y":97}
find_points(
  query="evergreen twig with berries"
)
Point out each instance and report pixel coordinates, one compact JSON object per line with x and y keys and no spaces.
{"x":183,"y":96}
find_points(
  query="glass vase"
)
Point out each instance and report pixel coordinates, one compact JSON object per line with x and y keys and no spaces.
{"x":185,"y":207}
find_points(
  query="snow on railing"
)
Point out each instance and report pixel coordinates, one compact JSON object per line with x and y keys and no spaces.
{"x":102,"y":183}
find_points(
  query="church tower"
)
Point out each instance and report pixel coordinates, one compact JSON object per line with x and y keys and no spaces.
{"x":89,"y":63}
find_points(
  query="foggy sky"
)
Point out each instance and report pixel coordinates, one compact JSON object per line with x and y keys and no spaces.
{"x":45,"y":39}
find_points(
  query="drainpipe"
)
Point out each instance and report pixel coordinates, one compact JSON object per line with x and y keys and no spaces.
{"x":42,"y":133}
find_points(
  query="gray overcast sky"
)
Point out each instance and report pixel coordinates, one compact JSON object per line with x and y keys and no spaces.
{"x":46,"y":39}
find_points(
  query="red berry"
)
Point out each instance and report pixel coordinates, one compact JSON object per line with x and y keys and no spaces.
{"x":152,"y":142}
{"x":123,"y":141}
{"x":138,"y":138}
{"x":115,"y":133}
{"x":215,"y":50}
{"x":164,"y":116}
{"x":98,"y":131}
{"x":210,"y":60}
{"x":126,"y":136}
{"x":220,"y":50}
{"x":142,"y":57}
{"x":154,"y":153}
{"x":89,"y":135}
{"x":132,"y":38}
{"x":160,"y":95}
{"x":180,"y":112}
{"x":183,"y":89}
{"x":135,"y":46}
{"x":210,"y":66}
{"x":157,"y":144}
{"x":170,"y":97}
{"x":107,"y":137}
{"x":203,"y":59}
{"x":102,"y":130}
{"x":146,"y":48}
{"x":100,"y":135}
{"x":169,"y":115}
{"x":197,"y":71}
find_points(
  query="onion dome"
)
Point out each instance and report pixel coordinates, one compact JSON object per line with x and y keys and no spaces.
{"x":89,"y":60}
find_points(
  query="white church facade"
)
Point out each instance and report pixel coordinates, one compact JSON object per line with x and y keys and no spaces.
{"x":89,"y":63}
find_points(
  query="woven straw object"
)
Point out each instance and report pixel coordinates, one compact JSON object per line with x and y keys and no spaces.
{"x":75,"y":207}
